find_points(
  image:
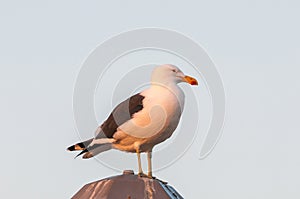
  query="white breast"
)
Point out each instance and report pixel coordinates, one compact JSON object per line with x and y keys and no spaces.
{"x":162,"y":108}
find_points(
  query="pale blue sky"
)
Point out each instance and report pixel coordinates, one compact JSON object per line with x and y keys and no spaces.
{"x":254,"y":44}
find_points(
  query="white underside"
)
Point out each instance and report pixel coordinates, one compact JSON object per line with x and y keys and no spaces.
{"x":162,"y":108}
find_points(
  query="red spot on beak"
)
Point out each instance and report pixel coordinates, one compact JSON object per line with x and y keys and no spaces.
{"x":190,"y":80}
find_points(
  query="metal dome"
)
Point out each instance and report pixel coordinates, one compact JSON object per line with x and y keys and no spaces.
{"x":127,"y":186}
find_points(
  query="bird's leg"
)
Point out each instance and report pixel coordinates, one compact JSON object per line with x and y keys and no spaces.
{"x":140,"y":164}
{"x":149,"y":157}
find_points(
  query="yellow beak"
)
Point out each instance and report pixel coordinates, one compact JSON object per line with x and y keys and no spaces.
{"x":190,"y":80}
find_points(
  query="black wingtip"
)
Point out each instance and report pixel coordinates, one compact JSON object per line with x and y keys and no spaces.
{"x":82,"y":152}
{"x":77,"y":147}
{"x":71,"y":148}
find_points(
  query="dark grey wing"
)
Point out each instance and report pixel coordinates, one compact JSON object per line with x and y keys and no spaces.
{"x":122,"y":113}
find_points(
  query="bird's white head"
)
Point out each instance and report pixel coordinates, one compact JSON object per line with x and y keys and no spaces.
{"x":170,"y":74}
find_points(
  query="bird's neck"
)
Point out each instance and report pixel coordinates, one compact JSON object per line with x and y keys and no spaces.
{"x":169,"y":90}
{"x":166,"y":85}
{"x":171,"y":87}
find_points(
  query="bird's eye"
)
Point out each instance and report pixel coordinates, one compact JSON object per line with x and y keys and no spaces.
{"x":174,"y":70}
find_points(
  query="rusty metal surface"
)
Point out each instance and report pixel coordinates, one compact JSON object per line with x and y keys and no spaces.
{"x":127,"y":186}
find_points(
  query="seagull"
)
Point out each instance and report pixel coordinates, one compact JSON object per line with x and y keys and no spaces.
{"x":143,"y":120}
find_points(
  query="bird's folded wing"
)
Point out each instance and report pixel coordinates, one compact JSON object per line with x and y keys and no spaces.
{"x":121,"y":114}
